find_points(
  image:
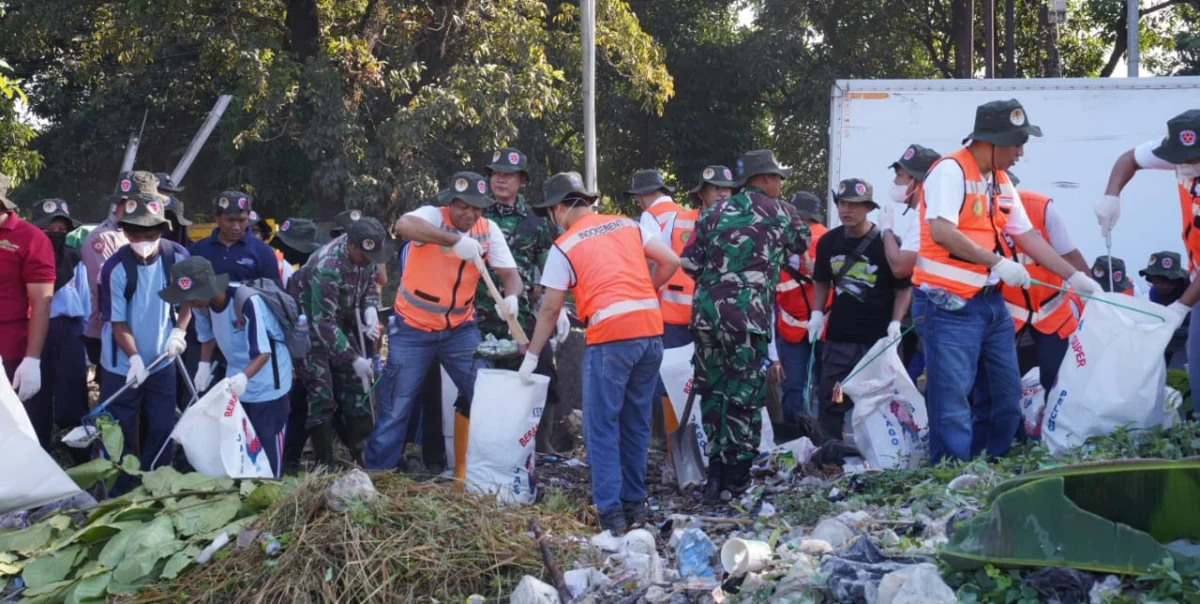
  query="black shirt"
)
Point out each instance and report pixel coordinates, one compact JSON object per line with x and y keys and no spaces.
{"x":862,"y":306}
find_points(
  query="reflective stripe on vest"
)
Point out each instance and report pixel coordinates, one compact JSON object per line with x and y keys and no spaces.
{"x":613,"y":291}
{"x":981,"y":218}
{"x":675,"y":296}
{"x":437,"y":289}
{"x":1190,"y":208}
{"x":793,"y":299}
{"x":1039,"y":305}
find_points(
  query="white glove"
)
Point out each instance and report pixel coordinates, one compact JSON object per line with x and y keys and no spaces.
{"x":887,"y":217}
{"x":176,"y":342}
{"x":27,"y":380}
{"x":772,"y":350}
{"x":371,"y":323}
{"x":1085,"y":284}
{"x":816,"y":324}
{"x":203,"y":377}
{"x":362,"y":368}
{"x":893,"y":330}
{"x":513,"y":305}
{"x":1179,"y":312}
{"x":237,"y":384}
{"x":137,"y":371}
{"x":562,"y":327}
{"x":467,"y":249}
{"x":527,"y":366}
{"x":1011,"y":273}
{"x":1107,"y":213}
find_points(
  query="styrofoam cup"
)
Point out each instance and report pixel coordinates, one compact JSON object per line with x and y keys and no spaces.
{"x":741,"y":556}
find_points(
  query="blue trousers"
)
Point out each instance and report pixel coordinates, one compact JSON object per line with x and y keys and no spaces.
{"x":970,"y":351}
{"x":155,"y":399}
{"x":795,"y":359}
{"x":63,"y":399}
{"x":270,"y":421}
{"x":619,"y":384}
{"x":1193,"y":356}
{"x":1050,"y":352}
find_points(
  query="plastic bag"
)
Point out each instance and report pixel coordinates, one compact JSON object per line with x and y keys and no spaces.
{"x":449,"y":395}
{"x":217,"y":437}
{"x":890,"y":425}
{"x":1033,"y":403}
{"x":505,"y":413}
{"x":1112,"y":375}
{"x":38,"y":480}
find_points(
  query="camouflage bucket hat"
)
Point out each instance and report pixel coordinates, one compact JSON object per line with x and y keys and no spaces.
{"x":1164,"y":264}
{"x":1182,"y":143}
{"x":1002,"y":123}
{"x":916,"y":161}
{"x":47,"y":210}
{"x":193,"y":279}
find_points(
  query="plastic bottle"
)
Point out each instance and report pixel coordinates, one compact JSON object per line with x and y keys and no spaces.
{"x":694,"y":553}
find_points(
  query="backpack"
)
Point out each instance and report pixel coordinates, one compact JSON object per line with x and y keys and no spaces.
{"x":166,"y":251}
{"x":282,"y":305}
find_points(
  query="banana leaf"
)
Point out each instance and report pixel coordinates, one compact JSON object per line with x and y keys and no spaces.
{"x":1112,"y":517}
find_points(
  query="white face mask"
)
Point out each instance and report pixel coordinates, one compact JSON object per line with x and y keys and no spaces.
{"x":899,"y":193}
{"x":143,"y":248}
{"x":1189,"y":170}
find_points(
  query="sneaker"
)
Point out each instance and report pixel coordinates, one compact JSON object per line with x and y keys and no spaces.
{"x":614,"y":522}
{"x":636,"y":513}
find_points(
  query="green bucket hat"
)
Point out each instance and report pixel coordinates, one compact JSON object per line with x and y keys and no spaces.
{"x":1121,"y":279}
{"x":558,"y":187}
{"x":508,"y":161}
{"x":1002,"y":123}
{"x":299,"y":234}
{"x":758,"y":162}
{"x":470,"y":188}
{"x":140,"y":183}
{"x":193,"y":279}
{"x":234,"y":203}
{"x":1182,"y":143}
{"x":916,"y":161}
{"x":369,"y":234}
{"x":855,"y":190}
{"x":1163,"y":264}
{"x":47,"y":210}
{"x":808,"y":206}
{"x":717,"y":176}
{"x":145,"y":211}
{"x":645,"y":182}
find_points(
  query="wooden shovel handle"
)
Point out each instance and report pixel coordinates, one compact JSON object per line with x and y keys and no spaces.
{"x":514,"y":326}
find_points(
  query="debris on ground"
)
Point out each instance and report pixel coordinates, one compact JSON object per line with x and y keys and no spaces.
{"x":355,"y":485}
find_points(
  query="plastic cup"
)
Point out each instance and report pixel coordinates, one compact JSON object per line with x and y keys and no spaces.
{"x":741,"y":556}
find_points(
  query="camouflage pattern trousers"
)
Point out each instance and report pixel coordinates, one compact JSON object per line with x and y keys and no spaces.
{"x":335,"y":389}
{"x":732,"y":385}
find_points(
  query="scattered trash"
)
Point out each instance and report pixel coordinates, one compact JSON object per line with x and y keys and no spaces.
{"x":207,"y":553}
{"x":833,"y":532}
{"x":964,"y":482}
{"x":816,"y":547}
{"x":606,"y":542}
{"x":354,"y":485}
{"x":916,"y":583}
{"x":582,"y":580}
{"x":1105,"y":590}
{"x":693,"y":555}
{"x":533,"y":591}
{"x":1061,"y":584}
{"x":741,"y":556}
{"x":856,"y":572}
{"x":766,"y":511}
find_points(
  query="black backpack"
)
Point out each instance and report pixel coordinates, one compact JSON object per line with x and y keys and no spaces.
{"x":166,"y":251}
{"x":282,"y":305}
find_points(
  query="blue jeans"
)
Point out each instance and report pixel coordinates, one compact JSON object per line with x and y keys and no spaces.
{"x":795,"y":360}
{"x":619,"y":381}
{"x":410,"y":354}
{"x":1193,"y":356}
{"x":971,"y":351}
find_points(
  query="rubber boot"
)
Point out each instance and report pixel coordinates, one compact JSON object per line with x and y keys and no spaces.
{"x":737,"y":477}
{"x":358,"y":430}
{"x":716,"y":477}
{"x":322,"y":442}
{"x":462,"y":425}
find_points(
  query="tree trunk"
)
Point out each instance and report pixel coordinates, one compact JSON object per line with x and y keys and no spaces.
{"x":1051,"y":64}
{"x":963,"y":25}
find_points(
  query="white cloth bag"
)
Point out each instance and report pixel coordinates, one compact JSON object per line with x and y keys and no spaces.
{"x":33,"y":478}
{"x":1033,"y":403}
{"x":217,"y":437}
{"x":505,"y":413}
{"x":890,"y":424}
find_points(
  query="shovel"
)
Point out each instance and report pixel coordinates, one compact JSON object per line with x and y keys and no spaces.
{"x":685,"y":449}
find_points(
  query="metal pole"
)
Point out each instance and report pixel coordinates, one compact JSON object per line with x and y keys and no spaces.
{"x":989,"y":39}
{"x":1010,"y":42}
{"x":206,"y":129}
{"x":1132,"y":37}
{"x":588,"y":13}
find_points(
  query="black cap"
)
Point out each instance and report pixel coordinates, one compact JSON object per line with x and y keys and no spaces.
{"x":1121,"y":279}
{"x":1164,"y":264}
{"x":717,"y":176}
{"x":1182,"y":143}
{"x":369,"y":235}
{"x":644,"y":182}
{"x":166,"y":184}
{"x":299,"y":234}
{"x":46,"y":210}
{"x":233,"y":203}
{"x":758,"y":162}
{"x":855,"y":190}
{"x":808,"y":206}
{"x":508,"y":161}
{"x":1002,"y":123}
{"x":558,"y":187}
{"x":470,"y":188}
{"x":916,"y":161}
{"x":144,"y":211}
{"x":193,"y":279}
{"x":5,"y":183}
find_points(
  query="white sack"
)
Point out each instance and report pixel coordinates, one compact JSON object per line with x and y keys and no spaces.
{"x":890,"y":425}
{"x":676,"y":373}
{"x":505,"y":413}
{"x":218,"y":439}
{"x":1033,"y":403}
{"x":33,"y":478}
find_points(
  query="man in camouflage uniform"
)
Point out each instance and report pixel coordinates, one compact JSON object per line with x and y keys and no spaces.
{"x":338,"y":283}
{"x":735,"y":257}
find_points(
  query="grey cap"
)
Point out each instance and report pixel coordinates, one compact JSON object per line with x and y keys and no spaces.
{"x":193,"y":279}
{"x":46,"y":210}
{"x":233,"y":203}
{"x":647,"y":181}
{"x":369,"y":235}
{"x":855,"y":190}
{"x":1002,"y":123}
{"x":558,"y":187}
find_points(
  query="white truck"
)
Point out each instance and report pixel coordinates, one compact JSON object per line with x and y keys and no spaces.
{"x":1087,"y":124}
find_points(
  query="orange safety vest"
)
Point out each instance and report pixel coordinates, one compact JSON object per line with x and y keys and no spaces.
{"x":613,"y":291}
{"x":279,"y":260}
{"x":675,"y":296}
{"x":978,"y":219}
{"x":793,"y":299}
{"x":1190,"y":207}
{"x":1049,"y":310}
{"x":437,"y":291}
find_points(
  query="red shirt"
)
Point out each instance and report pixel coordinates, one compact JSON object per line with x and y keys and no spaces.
{"x":26,"y":256}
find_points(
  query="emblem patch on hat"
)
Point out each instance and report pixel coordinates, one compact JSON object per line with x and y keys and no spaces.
{"x":860,"y":188}
{"x":49,"y":207}
{"x":253,"y":215}
{"x":63,"y":206}
{"x":909,"y":153}
{"x":460,"y":185}
{"x":513,"y":158}
{"x":355,"y":215}
{"x":242,"y":202}
{"x":1187,"y":138}
{"x":185,"y":283}
{"x":1097,"y":272}
{"x":841,"y":188}
{"x":287,"y":224}
{"x":154,"y":207}
{"x":130,"y":206}
{"x":1153,"y":260}
{"x":1017,"y":117}
{"x":223,"y":203}
{"x":368,"y":244}
{"x":1118,"y":276}
{"x":126,"y":185}
{"x":495,"y":157}
{"x":728,"y":174}
{"x":709,"y":173}
{"x":481,"y":187}
{"x":1168,"y":263}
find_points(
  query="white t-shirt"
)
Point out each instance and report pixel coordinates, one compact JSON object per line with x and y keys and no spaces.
{"x":1056,"y":231}
{"x":557,"y":274}
{"x":910,"y":239}
{"x":498,"y":256}
{"x":648,"y":221}
{"x":1144,"y":155}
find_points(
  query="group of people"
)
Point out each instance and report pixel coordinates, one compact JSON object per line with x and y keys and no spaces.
{"x":766,"y":294}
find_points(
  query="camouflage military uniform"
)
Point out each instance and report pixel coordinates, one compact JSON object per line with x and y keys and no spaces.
{"x":332,"y":290}
{"x":735,"y":258}
{"x":529,"y":238}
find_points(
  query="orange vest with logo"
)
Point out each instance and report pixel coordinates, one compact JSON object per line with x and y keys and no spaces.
{"x":1190,"y":206}
{"x":1049,"y":310}
{"x":437,"y":289}
{"x":613,"y":291}
{"x":980,"y":221}
{"x":793,"y":299}
{"x":675,"y":297}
